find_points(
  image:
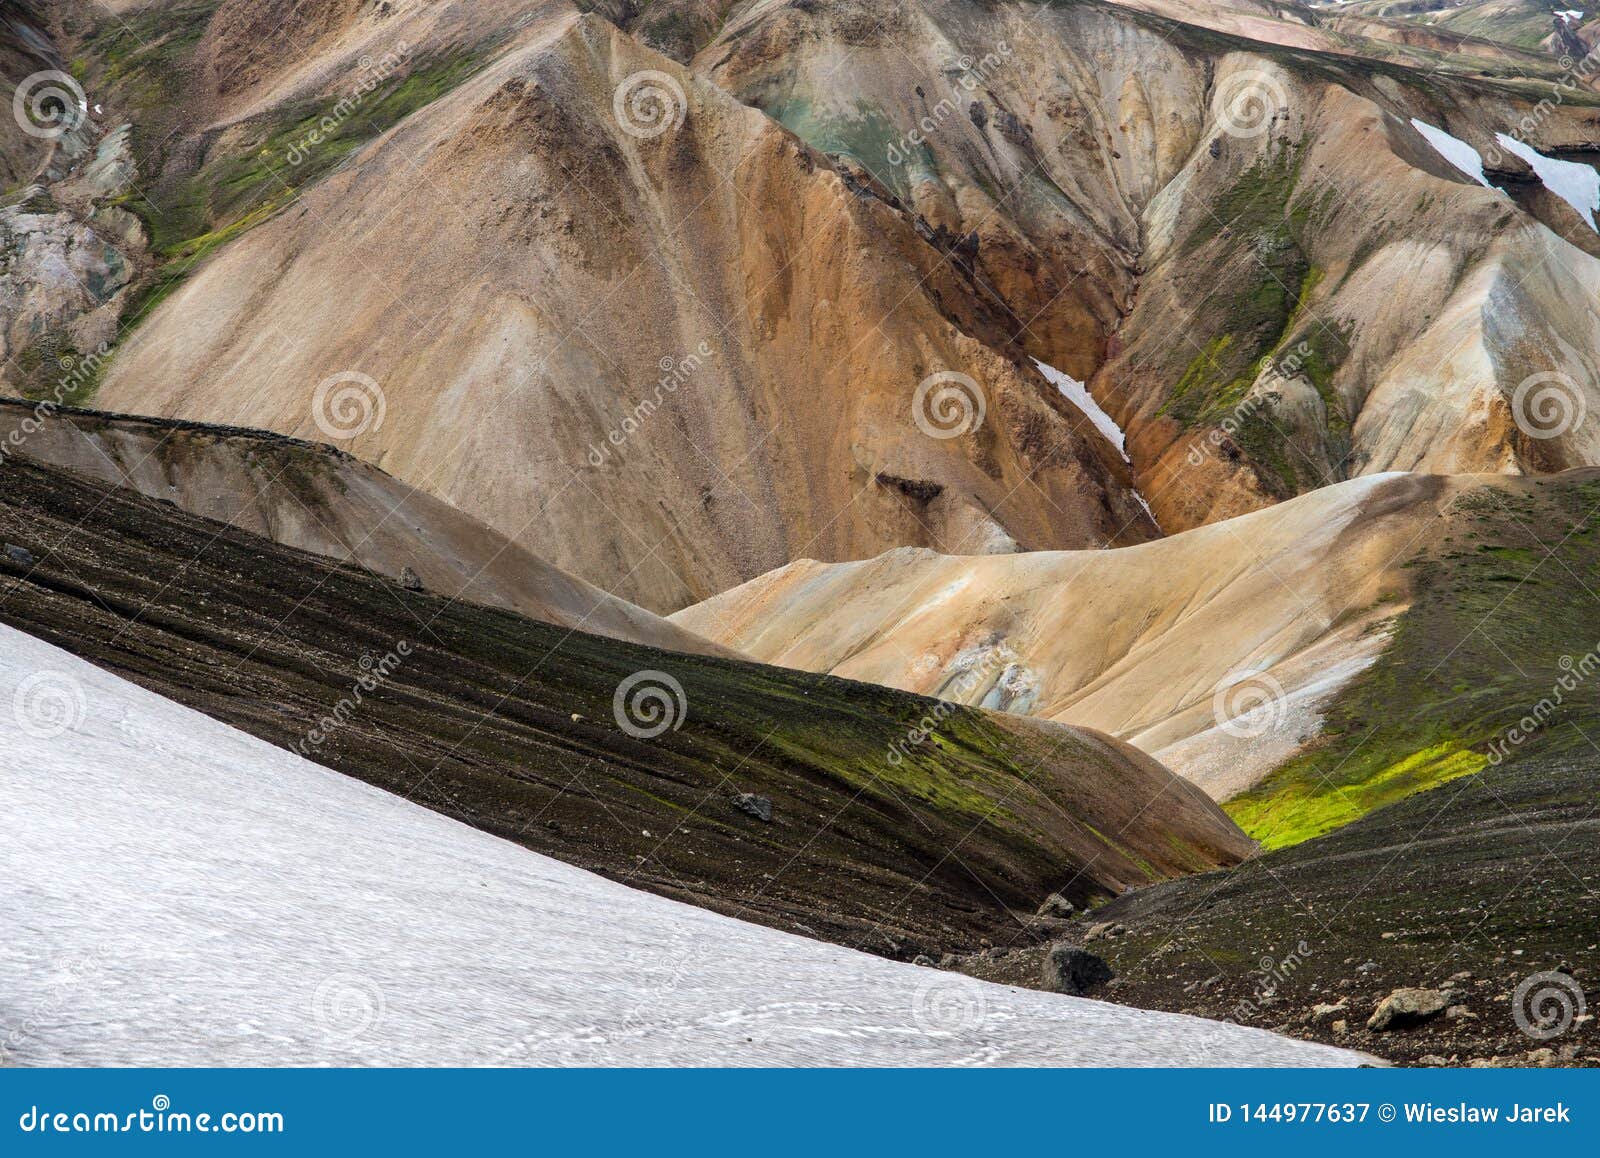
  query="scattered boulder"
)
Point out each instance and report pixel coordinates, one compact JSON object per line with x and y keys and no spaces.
{"x":410,"y":580}
{"x":1323,"y":1012}
{"x":757,"y":806}
{"x":1072,"y":970}
{"x":1406,"y":1008}
{"x":924,"y":960}
{"x":19,"y":555}
{"x":1056,"y":905}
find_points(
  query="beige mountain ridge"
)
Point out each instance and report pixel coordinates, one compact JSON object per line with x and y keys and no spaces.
{"x":669,"y":363}
{"x":317,"y":499}
{"x":734,"y":327}
{"x":1168,"y":645}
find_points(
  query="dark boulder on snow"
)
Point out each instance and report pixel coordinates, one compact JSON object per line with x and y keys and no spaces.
{"x":1072,"y":970}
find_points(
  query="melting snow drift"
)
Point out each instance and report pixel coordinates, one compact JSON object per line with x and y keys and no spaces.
{"x":1578,"y":185}
{"x":1575,"y":183}
{"x":176,"y":892}
{"x":1453,"y":149}
{"x":1078,"y":394}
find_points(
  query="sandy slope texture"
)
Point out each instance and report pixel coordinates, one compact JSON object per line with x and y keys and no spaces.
{"x":306,"y":918}
{"x":708,"y":314}
{"x":317,"y":499}
{"x":1159,"y":644}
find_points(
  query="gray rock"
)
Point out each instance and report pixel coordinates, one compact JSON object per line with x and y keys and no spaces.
{"x":1056,"y":905}
{"x":19,"y":555}
{"x":1405,"y":1008}
{"x":757,"y":806}
{"x":1069,"y":969}
{"x":1325,"y":1011}
{"x":410,"y":580}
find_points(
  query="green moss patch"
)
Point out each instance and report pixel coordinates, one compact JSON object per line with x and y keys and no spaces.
{"x":1505,"y":612}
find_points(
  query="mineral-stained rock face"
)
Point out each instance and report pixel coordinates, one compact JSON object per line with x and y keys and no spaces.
{"x":1213,"y":227}
{"x":672,"y":355}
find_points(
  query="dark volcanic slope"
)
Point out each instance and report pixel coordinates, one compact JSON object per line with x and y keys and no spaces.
{"x":508,"y":724}
{"x":1496,"y":874}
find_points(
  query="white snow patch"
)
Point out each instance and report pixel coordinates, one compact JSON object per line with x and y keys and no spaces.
{"x":1078,"y":394}
{"x":1453,"y":149}
{"x":176,"y":892}
{"x":1576,"y":184}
